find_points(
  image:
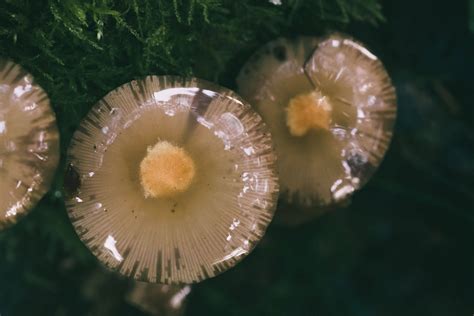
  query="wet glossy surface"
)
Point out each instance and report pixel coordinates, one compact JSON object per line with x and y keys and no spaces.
{"x":198,"y":233}
{"x":323,"y":167}
{"x":29,"y":143}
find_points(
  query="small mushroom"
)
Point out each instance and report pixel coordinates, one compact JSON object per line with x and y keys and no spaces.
{"x":159,"y":299}
{"x":29,"y":143}
{"x":331,"y":107}
{"x":171,"y":180}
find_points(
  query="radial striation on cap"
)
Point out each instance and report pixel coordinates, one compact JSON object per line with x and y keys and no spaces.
{"x":171,"y":180}
{"x":330,"y":106}
{"x":29,"y":143}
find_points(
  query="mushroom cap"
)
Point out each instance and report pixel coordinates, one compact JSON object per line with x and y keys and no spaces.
{"x":323,"y":167}
{"x":195,"y":233}
{"x":29,"y":143}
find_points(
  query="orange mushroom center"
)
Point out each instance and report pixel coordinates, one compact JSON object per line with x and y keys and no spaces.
{"x":166,"y":170}
{"x":308,"y":111}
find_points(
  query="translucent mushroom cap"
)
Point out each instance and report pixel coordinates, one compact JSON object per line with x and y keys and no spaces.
{"x":330,"y":106}
{"x":29,"y":143}
{"x":171,"y":180}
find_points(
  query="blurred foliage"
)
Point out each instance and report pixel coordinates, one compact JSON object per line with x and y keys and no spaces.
{"x":471,"y":15}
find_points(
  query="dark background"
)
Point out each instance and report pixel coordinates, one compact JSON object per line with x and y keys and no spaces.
{"x":405,"y":245}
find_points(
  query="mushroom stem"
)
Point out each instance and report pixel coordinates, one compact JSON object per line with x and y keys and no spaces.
{"x":308,"y":111}
{"x":166,"y":170}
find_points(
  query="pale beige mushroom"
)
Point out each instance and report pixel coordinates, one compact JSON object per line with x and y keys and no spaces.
{"x":29,"y":143}
{"x":159,"y":299}
{"x":171,"y":180}
{"x":331,"y":107}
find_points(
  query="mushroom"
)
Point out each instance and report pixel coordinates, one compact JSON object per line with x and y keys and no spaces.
{"x":331,"y":107}
{"x":171,"y":180}
{"x":159,"y":299}
{"x":29,"y":143}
